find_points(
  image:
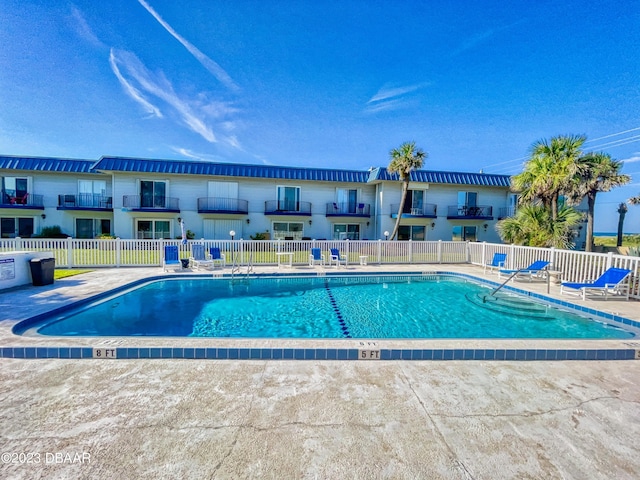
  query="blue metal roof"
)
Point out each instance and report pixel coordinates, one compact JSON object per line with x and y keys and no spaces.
{"x":183,"y":167}
{"x":47,"y":164}
{"x":455,"y":178}
{"x":120,"y":164}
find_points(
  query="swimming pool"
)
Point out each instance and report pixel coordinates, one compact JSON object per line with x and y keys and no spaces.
{"x":389,"y":306}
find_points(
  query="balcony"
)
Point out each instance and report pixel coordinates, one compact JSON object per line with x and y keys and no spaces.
{"x":23,"y":200}
{"x":85,"y":201}
{"x":222,"y":205}
{"x":348,"y":210}
{"x":286,"y":207}
{"x":470,"y":212}
{"x":137,"y":203}
{"x":506,"y":212}
{"x":428,"y":210}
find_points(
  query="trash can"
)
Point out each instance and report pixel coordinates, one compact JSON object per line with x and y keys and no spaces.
{"x":42,"y":271}
{"x":185,"y":262}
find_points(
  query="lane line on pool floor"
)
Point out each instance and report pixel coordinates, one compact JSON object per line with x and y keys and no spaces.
{"x":334,"y":305}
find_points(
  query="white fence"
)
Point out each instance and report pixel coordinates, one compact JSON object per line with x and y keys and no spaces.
{"x":575,"y":266}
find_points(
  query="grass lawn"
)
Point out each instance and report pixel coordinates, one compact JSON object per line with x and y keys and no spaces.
{"x":627,"y":241}
{"x":63,"y":273}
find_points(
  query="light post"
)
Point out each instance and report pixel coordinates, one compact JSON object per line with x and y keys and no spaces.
{"x":386,"y":235}
{"x":232,"y":233}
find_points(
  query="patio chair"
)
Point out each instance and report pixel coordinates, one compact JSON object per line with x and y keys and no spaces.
{"x":198,"y":257}
{"x":316,"y":257}
{"x":216,"y":257}
{"x":171,"y":258}
{"x":537,"y":268}
{"x":610,"y":282}
{"x":335,"y":257}
{"x":499,"y":261}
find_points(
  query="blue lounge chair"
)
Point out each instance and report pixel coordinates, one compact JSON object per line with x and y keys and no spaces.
{"x":499,"y":261}
{"x":316,"y":257}
{"x":171,"y":258}
{"x":198,"y":257}
{"x":536,"y":268}
{"x":216,"y":257}
{"x":610,"y":282}
{"x":335,"y":257}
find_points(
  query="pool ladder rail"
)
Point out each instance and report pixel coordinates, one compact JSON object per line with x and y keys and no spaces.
{"x":236,"y":265}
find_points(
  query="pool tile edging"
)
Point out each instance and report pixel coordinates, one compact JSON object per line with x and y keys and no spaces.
{"x":209,"y":353}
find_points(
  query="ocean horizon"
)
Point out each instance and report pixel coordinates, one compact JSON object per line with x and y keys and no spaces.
{"x":612,"y":234}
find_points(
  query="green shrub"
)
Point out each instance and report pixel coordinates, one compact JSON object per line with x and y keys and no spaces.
{"x":53,"y":231}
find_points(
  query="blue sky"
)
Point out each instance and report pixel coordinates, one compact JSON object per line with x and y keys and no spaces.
{"x":335,"y":84}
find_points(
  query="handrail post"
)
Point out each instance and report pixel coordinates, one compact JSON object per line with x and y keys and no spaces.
{"x":439,"y":251}
{"x":118,"y":251}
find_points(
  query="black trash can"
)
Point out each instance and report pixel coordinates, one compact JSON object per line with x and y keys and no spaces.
{"x":42,"y":271}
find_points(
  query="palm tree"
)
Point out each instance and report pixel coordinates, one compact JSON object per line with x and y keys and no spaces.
{"x":622,"y":211}
{"x":596,"y":172}
{"x":404,"y":159}
{"x":532,"y":225}
{"x":549,"y":171}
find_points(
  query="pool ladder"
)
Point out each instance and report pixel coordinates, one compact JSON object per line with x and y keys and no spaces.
{"x":236,"y":265}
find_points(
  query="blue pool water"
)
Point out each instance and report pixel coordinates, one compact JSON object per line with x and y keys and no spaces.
{"x":323,"y":307}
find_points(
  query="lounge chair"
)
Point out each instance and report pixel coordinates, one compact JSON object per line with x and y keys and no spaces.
{"x":499,"y":261}
{"x":171,"y":258}
{"x":335,"y":257}
{"x":216,"y":257}
{"x":316,"y":257}
{"x":610,"y":282}
{"x":198,"y":257}
{"x":536,"y":268}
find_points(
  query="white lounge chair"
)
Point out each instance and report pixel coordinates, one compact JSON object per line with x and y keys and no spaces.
{"x":171,"y":258}
{"x":198,"y":257}
{"x":610,"y":282}
{"x":316,"y":257}
{"x":336,"y":258}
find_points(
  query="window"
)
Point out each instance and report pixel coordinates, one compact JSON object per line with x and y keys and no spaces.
{"x":91,"y":228}
{"x":16,"y":227}
{"x":347,"y":200}
{"x":289,"y":199}
{"x":467,"y":199}
{"x":152,"y":229}
{"x":414,"y":203}
{"x":411,"y":232}
{"x":15,"y":189}
{"x":344,"y":231}
{"x":91,"y":193}
{"x":465,"y":234}
{"x":287,"y":230}
{"x":152,"y":194}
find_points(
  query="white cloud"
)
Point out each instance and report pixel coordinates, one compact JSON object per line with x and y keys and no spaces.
{"x":206,"y":62}
{"x":132,"y":91}
{"x":84,"y":30}
{"x":634,"y":158}
{"x":158,"y":86}
{"x":393,"y":97}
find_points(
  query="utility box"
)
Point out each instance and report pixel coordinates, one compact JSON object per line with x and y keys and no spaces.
{"x":42,"y":271}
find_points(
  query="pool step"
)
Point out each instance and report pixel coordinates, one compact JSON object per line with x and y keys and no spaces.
{"x":510,"y":305}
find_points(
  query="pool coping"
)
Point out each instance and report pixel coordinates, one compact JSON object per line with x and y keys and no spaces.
{"x":325,"y":349}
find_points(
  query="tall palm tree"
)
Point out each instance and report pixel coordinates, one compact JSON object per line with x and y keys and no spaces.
{"x":404,"y":159}
{"x":596,"y":172}
{"x":549,"y":171}
{"x":532,"y":225}
{"x":622,"y":211}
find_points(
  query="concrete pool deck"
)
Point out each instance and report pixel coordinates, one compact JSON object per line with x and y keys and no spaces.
{"x":310,"y":419}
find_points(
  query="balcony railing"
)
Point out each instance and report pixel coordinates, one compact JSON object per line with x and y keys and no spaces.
{"x":505,"y":212}
{"x":21,"y":200}
{"x":82,"y":201}
{"x":348,"y":210}
{"x":286,"y":207}
{"x":483,"y":212}
{"x":428,"y":210}
{"x":143,"y":204}
{"x":222,"y":205}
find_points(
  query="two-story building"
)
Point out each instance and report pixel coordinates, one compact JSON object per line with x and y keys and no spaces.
{"x":148,"y":198}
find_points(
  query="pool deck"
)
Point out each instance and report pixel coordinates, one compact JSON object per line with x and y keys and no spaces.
{"x":171,"y":418}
